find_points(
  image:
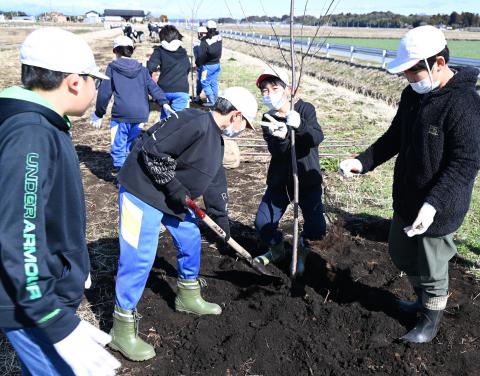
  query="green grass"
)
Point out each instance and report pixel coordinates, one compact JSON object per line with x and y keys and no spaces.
{"x":458,"y":48}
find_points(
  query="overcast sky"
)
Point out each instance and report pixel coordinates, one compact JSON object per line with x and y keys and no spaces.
{"x":219,"y":8}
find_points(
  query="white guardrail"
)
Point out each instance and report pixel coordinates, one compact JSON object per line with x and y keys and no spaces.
{"x":379,"y":55}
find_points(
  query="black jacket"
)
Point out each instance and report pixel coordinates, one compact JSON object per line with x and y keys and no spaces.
{"x":307,"y":138}
{"x":174,"y":67}
{"x":437,"y":139}
{"x":43,"y":254}
{"x":209,"y":51}
{"x":130,"y":83}
{"x":195,"y":142}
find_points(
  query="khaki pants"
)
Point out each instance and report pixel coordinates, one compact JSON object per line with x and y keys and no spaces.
{"x":424,"y":259}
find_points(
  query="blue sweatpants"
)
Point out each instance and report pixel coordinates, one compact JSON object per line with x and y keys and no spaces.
{"x":139,"y":231}
{"x":37,"y":355}
{"x":199,"y":82}
{"x":209,"y":81}
{"x":273,"y":206}
{"x":178,"y":101}
{"x":121,"y":137}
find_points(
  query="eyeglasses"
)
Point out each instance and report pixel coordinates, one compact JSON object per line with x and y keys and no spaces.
{"x":98,"y":81}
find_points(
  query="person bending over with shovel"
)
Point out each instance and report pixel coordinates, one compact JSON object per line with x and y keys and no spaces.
{"x":175,"y":159}
{"x":436,"y":138}
{"x":273,"y":85}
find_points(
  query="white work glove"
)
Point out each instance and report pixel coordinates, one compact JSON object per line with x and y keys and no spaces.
{"x":275,"y":128}
{"x":83,"y":350}
{"x":88,"y":281}
{"x":350,"y":167}
{"x":293,"y":119}
{"x":422,"y":222}
{"x":169,"y":110}
{"x":95,"y":121}
{"x":196,"y":43}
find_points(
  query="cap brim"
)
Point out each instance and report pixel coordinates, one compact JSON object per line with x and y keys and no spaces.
{"x":401,"y":65}
{"x":250,"y":125}
{"x":99,"y":75}
{"x":262,"y":77}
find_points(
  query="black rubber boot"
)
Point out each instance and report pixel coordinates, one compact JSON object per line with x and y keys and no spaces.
{"x":408,"y":306}
{"x":426,"y":328}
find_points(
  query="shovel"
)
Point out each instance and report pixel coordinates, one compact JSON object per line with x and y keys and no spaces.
{"x":259,"y":267}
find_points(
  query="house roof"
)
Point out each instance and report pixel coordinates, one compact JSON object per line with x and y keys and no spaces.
{"x":92,"y":11}
{"x":124,"y":13}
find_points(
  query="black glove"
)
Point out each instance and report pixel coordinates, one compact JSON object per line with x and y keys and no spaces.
{"x":176,"y":193}
{"x":224,"y":223}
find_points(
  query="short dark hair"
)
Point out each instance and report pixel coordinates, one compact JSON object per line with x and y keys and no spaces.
{"x":445,"y":53}
{"x":169,"y":33}
{"x":126,"y":51}
{"x":272,"y":80}
{"x":211,"y":33}
{"x":223,"y":106}
{"x":41,"y":78}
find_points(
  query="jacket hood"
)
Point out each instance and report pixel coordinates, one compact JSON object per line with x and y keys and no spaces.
{"x":129,"y":68}
{"x":465,"y":77}
{"x":178,"y":54}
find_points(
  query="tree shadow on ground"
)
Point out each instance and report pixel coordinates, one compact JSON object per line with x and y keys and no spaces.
{"x":98,"y":162}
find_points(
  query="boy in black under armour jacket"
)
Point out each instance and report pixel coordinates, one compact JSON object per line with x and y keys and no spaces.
{"x":279,"y":193}
{"x":436,"y":138}
{"x":130,"y":84}
{"x":44,"y":262}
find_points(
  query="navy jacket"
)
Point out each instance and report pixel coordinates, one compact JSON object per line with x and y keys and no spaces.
{"x":209,"y":51}
{"x":174,"y":67}
{"x":307,"y":138}
{"x":130,"y":83}
{"x":195,"y":142}
{"x":437,"y":139}
{"x":43,"y":254}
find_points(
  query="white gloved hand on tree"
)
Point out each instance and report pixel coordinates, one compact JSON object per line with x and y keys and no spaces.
{"x":350,"y":167}
{"x":83,"y":350}
{"x":95,"y":121}
{"x":422,"y":222}
{"x":293,"y":119}
{"x":88,"y":282}
{"x":169,"y":110}
{"x":275,"y":128}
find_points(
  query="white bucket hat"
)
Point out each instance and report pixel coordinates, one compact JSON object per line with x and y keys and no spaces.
{"x":243,"y":101}
{"x":418,"y":44}
{"x":59,"y":50}
{"x":211,"y":24}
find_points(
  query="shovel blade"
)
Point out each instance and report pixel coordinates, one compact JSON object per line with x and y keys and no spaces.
{"x":260,"y":268}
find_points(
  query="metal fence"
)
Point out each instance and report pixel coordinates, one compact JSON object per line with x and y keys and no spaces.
{"x":379,"y":55}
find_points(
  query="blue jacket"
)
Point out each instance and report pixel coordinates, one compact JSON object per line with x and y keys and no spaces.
{"x":130,"y":83}
{"x":44,"y":260}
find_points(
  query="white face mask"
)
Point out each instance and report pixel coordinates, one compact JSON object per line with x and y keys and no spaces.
{"x":231,"y":132}
{"x":426,"y":85}
{"x":274,"y":101}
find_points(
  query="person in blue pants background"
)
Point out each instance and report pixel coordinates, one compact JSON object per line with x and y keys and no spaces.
{"x":171,"y":59}
{"x":201,"y":34}
{"x":208,"y":58}
{"x":130,"y":84}
{"x":168,"y":163}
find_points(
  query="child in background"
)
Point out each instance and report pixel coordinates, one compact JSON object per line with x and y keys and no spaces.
{"x":276,"y":126}
{"x":171,"y":59}
{"x":201,"y":34}
{"x":130,"y":83}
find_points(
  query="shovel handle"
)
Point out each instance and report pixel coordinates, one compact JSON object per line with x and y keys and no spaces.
{"x":217,"y":229}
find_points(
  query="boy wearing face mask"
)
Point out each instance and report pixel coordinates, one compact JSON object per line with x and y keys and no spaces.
{"x":436,"y":135}
{"x":176,"y":158}
{"x":277,"y":124}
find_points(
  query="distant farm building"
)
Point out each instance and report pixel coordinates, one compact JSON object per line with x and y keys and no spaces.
{"x":119,"y":15}
{"x":92,"y":17}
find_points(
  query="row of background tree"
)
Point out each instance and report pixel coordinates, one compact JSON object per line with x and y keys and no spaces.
{"x":373,"y":19}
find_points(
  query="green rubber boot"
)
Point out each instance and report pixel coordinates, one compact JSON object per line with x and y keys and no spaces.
{"x":190,"y":300}
{"x":125,"y":337}
{"x":302,"y":252}
{"x":276,"y":253}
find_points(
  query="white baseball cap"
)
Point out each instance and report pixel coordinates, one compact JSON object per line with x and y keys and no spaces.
{"x":418,"y":44}
{"x":59,"y":50}
{"x":122,"y":40}
{"x":202,"y":29}
{"x":243,"y":101}
{"x":211,"y":24}
{"x":271,"y":72}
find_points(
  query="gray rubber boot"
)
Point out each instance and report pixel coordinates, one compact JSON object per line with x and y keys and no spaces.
{"x":125,"y":337}
{"x":302,"y":253}
{"x":190,"y":300}
{"x":426,"y":328}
